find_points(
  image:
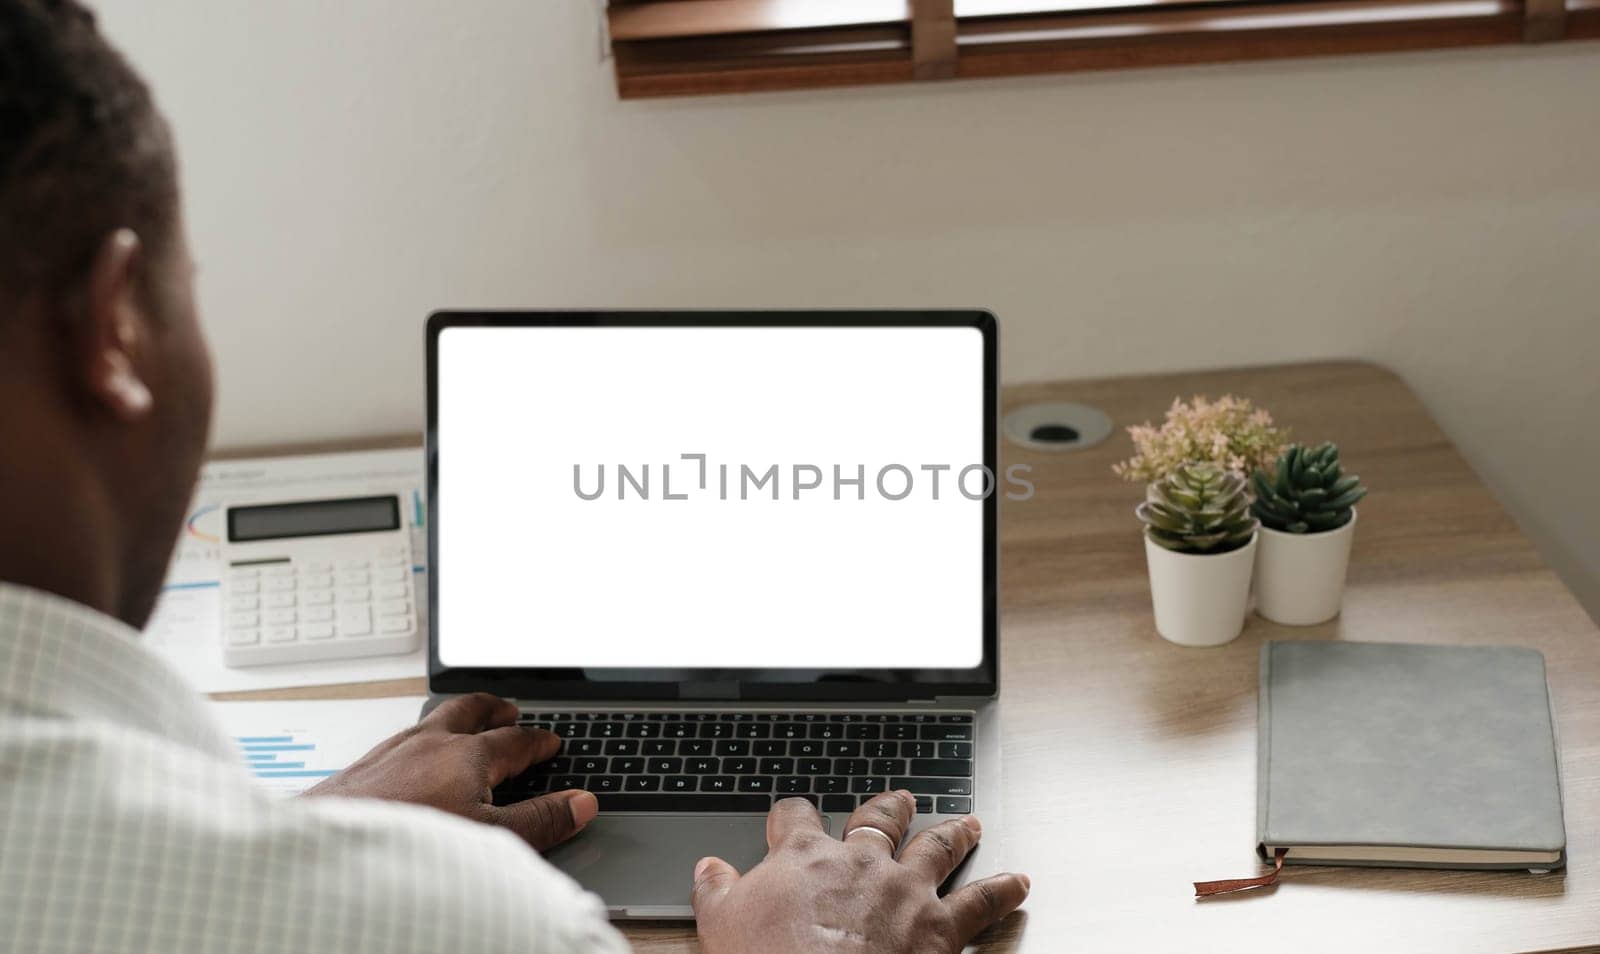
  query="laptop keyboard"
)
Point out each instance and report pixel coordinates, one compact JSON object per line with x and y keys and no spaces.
{"x":744,"y":761}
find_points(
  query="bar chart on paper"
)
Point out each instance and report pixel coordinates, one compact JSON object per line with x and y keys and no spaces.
{"x":290,"y":746}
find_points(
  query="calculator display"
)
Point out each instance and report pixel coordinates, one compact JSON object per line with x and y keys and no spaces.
{"x":313,"y":518}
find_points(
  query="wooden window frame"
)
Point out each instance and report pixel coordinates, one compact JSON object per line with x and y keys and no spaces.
{"x":694,"y":47}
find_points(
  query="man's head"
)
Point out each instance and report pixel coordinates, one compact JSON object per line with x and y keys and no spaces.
{"x":105,"y":382}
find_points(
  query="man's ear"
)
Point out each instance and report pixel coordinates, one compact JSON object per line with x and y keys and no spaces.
{"x":117,"y":329}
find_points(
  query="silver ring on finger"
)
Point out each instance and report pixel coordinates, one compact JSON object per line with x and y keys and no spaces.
{"x":887,"y":838}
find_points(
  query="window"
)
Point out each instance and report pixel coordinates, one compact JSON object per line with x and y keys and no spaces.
{"x":683,"y":47}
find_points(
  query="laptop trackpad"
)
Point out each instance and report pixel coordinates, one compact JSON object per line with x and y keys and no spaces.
{"x":644,"y":862}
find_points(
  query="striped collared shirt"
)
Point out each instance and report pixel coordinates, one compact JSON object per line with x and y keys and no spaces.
{"x":129,"y":823}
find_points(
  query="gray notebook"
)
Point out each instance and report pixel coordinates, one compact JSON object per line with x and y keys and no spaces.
{"x":1397,"y":755}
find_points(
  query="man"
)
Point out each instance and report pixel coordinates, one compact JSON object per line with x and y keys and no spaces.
{"x":126,"y":820}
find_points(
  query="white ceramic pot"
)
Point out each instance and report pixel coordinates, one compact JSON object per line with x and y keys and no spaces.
{"x":1200,"y":599}
{"x":1300,"y":576}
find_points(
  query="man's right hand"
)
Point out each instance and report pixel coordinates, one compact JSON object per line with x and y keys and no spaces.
{"x":813,"y":892}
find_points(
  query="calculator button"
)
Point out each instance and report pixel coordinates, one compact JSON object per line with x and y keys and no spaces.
{"x":353,"y":579}
{"x":316,"y":614}
{"x":390,"y":576}
{"x":394,"y":560}
{"x":280,"y":616}
{"x":317,"y":630}
{"x":352,"y":564}
{"x":355,"y":594}
{"x":244,"y":637}
{"x":317,"y":597}
{"x":281,"y":634}
{"x":244,"y":602}
{"x":317,"y":581}
{"x":396,"y":625}
{"x":243,"y":620}
{"x":245,"y":572}
{"x":317,"y":566}
{"x":278,"y":584}
{"x":394,"y":608}
{"x":279,"y":600}
{"x":280,"y":569}
{"x":251,"y":585}
{"x":394,"y":591}
{"x":355,"y":621}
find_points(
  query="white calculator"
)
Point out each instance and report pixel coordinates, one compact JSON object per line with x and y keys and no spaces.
{"x":312,"y":580}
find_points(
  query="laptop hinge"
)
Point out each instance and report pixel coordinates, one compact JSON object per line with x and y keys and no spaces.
{"x":709,"y":690}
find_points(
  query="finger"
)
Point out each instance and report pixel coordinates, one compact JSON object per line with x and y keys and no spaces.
{"x":982,"y":903}
{"x":935,"y":852}
{"x":548,"y":820}
{"x":790,"y":817}
{"x":472,"y":713}
{"x":713,"y":878}
{"x":512,"y":748}
{"x":889,"y":813}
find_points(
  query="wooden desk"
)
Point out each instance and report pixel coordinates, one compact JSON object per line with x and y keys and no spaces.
{"x":1130,"y":762}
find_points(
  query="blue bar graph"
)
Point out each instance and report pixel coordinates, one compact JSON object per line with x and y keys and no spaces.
{"x":261,"y":754}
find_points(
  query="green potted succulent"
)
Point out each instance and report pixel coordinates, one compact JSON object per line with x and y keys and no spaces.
{"x":1199,"y":543}
{"x":1306,"y":505}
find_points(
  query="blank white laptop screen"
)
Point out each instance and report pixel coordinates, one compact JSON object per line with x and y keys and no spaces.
{"x":689,"y":561}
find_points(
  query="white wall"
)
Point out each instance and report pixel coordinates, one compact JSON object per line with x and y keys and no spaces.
{"x":352,"y":166}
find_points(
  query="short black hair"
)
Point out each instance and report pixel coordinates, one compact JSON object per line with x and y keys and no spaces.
{"x":83,"y":150}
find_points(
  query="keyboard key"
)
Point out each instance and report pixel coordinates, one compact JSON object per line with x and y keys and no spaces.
{"x":838,"y":803}
{"x":888,"y":766}
{"x":955,"y":768}
{"x":622,"y":747}
{"x":678,"y":783}
{"x":716,"y":730}
{"x":826,"y":730}
{"x":739,"y":766}
{"x":808,"y":797}
{"x":777,"y":766}
{"x":943,"y":733}
{"x":955,"y":805}
{"x":557,"y":766}
{"x":844,"y":717}
{"x":571,"y":730}
{"x":829,"y":784}
{"x":659,"y":746}
{"x":850,"y":766}
{"x":844,"y":749}
{"x":589,"y":765}
{"x":880,"y":750}
{"x":644,"y":730}
{"x":789,"y":730}
{"x":919,"y":750}
{"x":962,"y":717}
{"x":756,"y":783}
{"x":703,"y":766}
{"x":815,"y":766}
{"x":562,"y":783}
{"x":600,"y":784}
{"x":863,"y":730}
{"x":643,"y":783}
{"x":753,"y":730}
{"x":933,"y":786}
{"x":583,"y":747}
{"x":244,"y":637}
{"x":662,"y":802}
{"x":695,"y":747}
{"x":793,"y":785}
{"x":678,"y":730}
{"x":900,"y":731}
{"x":867,"y":785}
{"x":627,"y":766}
{"x":665,"y":766}
{"x":607,"y":730}
{"x":733,"y":747}
{"x":716,"y":783}
{"x":768,"y":747}
{"x":392,"y":625}
{"x":805,"y":748}
{"x":924,"y":804}
{"x":955,"y":750}
{"x":282,"y":634}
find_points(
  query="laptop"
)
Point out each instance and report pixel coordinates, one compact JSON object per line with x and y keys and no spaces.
{"x":730,"y":557}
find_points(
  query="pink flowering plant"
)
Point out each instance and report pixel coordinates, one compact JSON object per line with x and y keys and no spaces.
{"x":1229,"y":432}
